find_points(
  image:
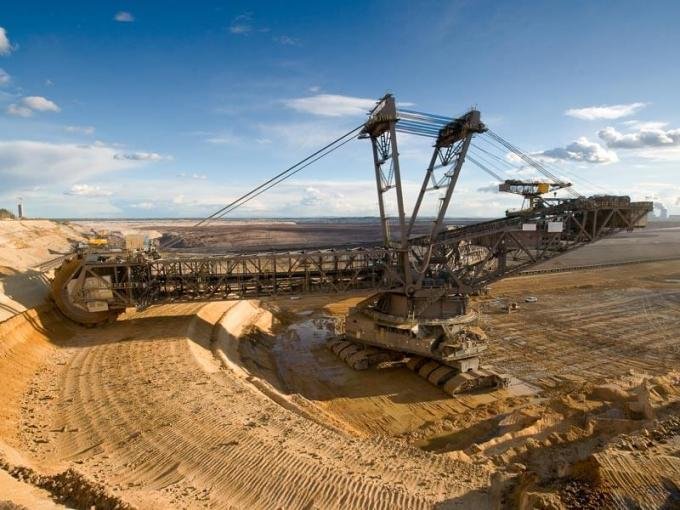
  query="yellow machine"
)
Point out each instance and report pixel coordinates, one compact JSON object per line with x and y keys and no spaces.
{"x":543,"y":187}
{"x":99,"y":239}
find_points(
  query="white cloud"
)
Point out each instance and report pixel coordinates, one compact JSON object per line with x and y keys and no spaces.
{"x":41,"y":162}
{"x":331,"y":105}
{"x":287,"y":40}
{"x":19,"y":111}
{"x":225,"y":139}
{"x":242,"y":24}
{"x":5,"y":45}
{"x":313,"y":197}
{"x":85,"y":130}
{"x":40,"y":104}
{"x":644,"y":124}
{"x":124,"y":17}
{"x":649,"y":135}
{"x":4,"y":77}
{"x":200,"y":177}
{"x":582,"y":150}
{"x":489,"y":188}
{"x":86,"y":190}
{"x":144,"y":205}
{"x":660,"y":154}
{"x":614,"y":111}
{"x":30,"y":104}
{"x":141,"y":156}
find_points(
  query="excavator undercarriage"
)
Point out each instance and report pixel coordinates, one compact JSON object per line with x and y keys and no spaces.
{"x":443,"y":344}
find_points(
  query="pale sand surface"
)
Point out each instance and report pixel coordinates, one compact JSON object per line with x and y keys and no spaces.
{"x":240,"y":404}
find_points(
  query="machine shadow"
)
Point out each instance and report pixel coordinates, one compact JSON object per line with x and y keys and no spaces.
{"x":29,"y":288}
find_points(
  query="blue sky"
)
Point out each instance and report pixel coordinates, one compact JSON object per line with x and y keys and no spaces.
{"x":147,"y":109}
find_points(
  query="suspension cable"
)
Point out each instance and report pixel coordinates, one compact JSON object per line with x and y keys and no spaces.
{"x":579,"y":179}
{"x":484,"y":168}
{"x":538,"y":166}
{"x":281,"y":174}
{"x":496,"y":165}
{"x":287,"y":176}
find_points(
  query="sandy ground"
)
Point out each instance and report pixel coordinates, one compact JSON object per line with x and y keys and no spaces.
{"x":143,"y":407}
{"x":24,"y":245}
{"x":659,"y":239}
{"x":252,"y":235}
{"x":241,"y":405}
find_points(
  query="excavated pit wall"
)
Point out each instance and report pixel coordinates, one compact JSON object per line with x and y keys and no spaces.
{"x":143,"y":413}
{"x":27,"y":342}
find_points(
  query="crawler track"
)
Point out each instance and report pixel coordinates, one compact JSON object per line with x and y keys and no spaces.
{"x":448,"y":379}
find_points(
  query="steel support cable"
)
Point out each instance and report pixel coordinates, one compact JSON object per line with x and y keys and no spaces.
{"x":281,"y":174}
{"x":287,"y":176}
{"x":485,"y":159}
{"x":585,"y":183}
{"x":538,"y":166}
{"x":542,"y":169}
{"x":425,"y":125}
{"x":415,"y":127}
{"x":581,"y":181}
{"x":501,"y":159}
{"x":424,"y":120}
{"x":523,"y":156}
{"x":485,"y":169}
{"x":404,"y":129}
{"x":420,"y":122}
{"x":430,"y":117}
{"x":573,"y":175}
{"x":441,"y":117}
{"x":491,"y":145}
{"x":417,"y":133}
{"x":497,"y":171}
{"x":433,"y":134}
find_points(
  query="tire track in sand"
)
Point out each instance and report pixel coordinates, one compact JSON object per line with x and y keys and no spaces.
{"x":139,"y":412}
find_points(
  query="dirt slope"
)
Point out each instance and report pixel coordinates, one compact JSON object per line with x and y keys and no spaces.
{"x":143,"y":406}
{"x":24,"y":245}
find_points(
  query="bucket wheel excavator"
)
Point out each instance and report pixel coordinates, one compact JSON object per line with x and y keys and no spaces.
{"x":422,"y":315}
{"x":420,"y":312}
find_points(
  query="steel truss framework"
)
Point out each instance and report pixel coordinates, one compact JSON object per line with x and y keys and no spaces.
{"x":460,"y":261}
{"x":143,"y":282}
{"x":442,"y":265}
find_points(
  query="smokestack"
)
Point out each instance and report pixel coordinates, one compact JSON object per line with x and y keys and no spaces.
{"x":663,"y":212}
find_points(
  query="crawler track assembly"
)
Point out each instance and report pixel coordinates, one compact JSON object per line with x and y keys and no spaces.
{"x":450,"y":380}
